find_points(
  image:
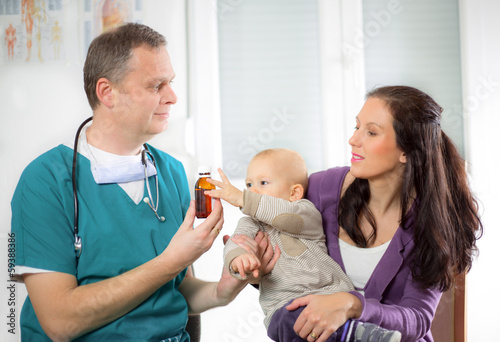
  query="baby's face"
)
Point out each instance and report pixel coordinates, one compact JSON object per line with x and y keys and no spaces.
{"x":267,"y":177}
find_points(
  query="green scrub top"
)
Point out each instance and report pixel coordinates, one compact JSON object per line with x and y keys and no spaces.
{"x":117,"y":236}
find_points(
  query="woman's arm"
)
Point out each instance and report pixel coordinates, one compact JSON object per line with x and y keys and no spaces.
{"x":324,"y":313}
{"x":412,"y":315}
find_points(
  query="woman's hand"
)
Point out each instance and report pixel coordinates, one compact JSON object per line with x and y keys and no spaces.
{"x":324,"y":314}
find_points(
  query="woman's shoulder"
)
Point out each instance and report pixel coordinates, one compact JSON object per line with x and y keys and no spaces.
{"x":328,"y":184}
{"x":333,"y":177}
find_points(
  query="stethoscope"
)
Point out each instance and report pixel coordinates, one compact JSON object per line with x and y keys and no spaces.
{"x":148,"y":200}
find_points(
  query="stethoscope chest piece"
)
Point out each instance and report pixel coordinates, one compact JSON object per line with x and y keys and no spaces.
{"x":149,"y":200}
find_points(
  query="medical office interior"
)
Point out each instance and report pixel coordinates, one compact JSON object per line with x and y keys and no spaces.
{"x":255,"y":74}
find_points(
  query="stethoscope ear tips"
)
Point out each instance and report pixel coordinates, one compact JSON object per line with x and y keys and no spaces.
{"x":162,"y":218}
{"x":146,"y":200}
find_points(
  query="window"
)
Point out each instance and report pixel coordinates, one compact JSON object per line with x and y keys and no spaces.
{"x":417,"y":43}
{"x":269,"y":80}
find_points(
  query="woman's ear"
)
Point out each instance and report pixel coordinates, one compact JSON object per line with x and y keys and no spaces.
{"x":402,"y":158}
{"x":297,"y":192}
{"x":104,"y":92}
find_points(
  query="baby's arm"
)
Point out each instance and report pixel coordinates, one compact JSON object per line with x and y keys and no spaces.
{"x":245,"y":264}
{"x":227,"y":191}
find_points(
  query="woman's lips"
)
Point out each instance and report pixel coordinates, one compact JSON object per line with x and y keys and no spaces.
{"x":356,"y":158}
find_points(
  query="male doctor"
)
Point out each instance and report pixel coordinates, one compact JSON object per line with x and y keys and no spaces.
{"x":131,"y":281}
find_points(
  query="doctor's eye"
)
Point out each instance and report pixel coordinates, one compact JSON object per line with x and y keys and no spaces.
{"x":264,"y":182}
{"x":249,"y":185}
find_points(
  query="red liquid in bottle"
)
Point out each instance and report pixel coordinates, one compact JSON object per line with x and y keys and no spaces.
{"x":203,"y":202}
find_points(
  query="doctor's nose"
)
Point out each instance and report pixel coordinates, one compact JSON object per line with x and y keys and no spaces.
{"x":168,"y":95}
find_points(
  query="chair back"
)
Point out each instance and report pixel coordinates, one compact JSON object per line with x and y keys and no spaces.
{"x":450,"y":321}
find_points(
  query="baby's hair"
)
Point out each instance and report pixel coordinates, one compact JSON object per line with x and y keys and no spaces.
{"x":297,"y":170}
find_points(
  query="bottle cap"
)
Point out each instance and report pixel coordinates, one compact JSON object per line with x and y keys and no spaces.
{"x":204,"y":169}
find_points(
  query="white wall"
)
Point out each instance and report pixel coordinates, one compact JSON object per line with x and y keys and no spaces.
{"x":32,"y":99}
{"x":481,"y":76}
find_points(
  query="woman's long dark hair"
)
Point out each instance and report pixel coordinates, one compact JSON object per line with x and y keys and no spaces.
{"x":444,"y":218}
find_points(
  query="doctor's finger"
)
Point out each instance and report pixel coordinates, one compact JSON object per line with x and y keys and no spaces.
{"x":188,"y":222}
{"x":215,"y":220}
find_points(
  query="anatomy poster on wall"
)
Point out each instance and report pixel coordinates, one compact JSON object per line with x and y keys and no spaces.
{"x":101,"y":15}
{"x":32,"y":31}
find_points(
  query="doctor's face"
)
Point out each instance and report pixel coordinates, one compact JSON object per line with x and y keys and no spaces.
{"x":142,"y":101}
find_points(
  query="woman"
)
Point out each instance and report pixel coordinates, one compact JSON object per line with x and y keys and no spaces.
{"x":401,"y":222}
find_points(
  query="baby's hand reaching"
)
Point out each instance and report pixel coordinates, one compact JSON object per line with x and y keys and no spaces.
{"x":227,"y":191}
{"x":245,"y":264}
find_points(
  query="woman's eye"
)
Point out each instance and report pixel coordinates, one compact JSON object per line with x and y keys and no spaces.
{"x":371,"y":133}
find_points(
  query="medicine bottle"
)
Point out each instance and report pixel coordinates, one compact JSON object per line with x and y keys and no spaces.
{"x":203,"y":202}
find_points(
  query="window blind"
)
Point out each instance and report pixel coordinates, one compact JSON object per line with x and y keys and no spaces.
{"x":269,"y":80}
{"x":417,"y":43}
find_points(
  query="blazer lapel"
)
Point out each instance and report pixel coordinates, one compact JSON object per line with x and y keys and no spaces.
{"x":389,"y":264}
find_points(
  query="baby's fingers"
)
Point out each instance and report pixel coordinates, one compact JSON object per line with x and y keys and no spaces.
{"x":223,"y":176}
{"x":255,"y":267}
{"x":215,"y":182}
{"x":242,"y":271}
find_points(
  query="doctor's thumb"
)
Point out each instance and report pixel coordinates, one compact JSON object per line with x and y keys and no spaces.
{"x":190,"y":216}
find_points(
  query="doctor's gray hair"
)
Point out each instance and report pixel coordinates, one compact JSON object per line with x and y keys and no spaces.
{"x":109,"y":55}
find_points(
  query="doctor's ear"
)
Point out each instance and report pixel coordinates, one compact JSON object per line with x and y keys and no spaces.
{"x":104,"y":92}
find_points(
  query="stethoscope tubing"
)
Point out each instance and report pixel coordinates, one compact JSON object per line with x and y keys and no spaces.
{"x":78,"y":240}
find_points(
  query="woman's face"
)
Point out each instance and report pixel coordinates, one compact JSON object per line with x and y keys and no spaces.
{"x":375,"y":155}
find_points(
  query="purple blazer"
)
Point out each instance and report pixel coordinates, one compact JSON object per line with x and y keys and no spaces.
{"x":392,"y":299}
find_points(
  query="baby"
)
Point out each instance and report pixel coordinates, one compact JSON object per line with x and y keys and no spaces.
{"x":276,"y":184}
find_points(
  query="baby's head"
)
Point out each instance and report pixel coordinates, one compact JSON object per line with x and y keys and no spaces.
{"x":278,"y":172}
